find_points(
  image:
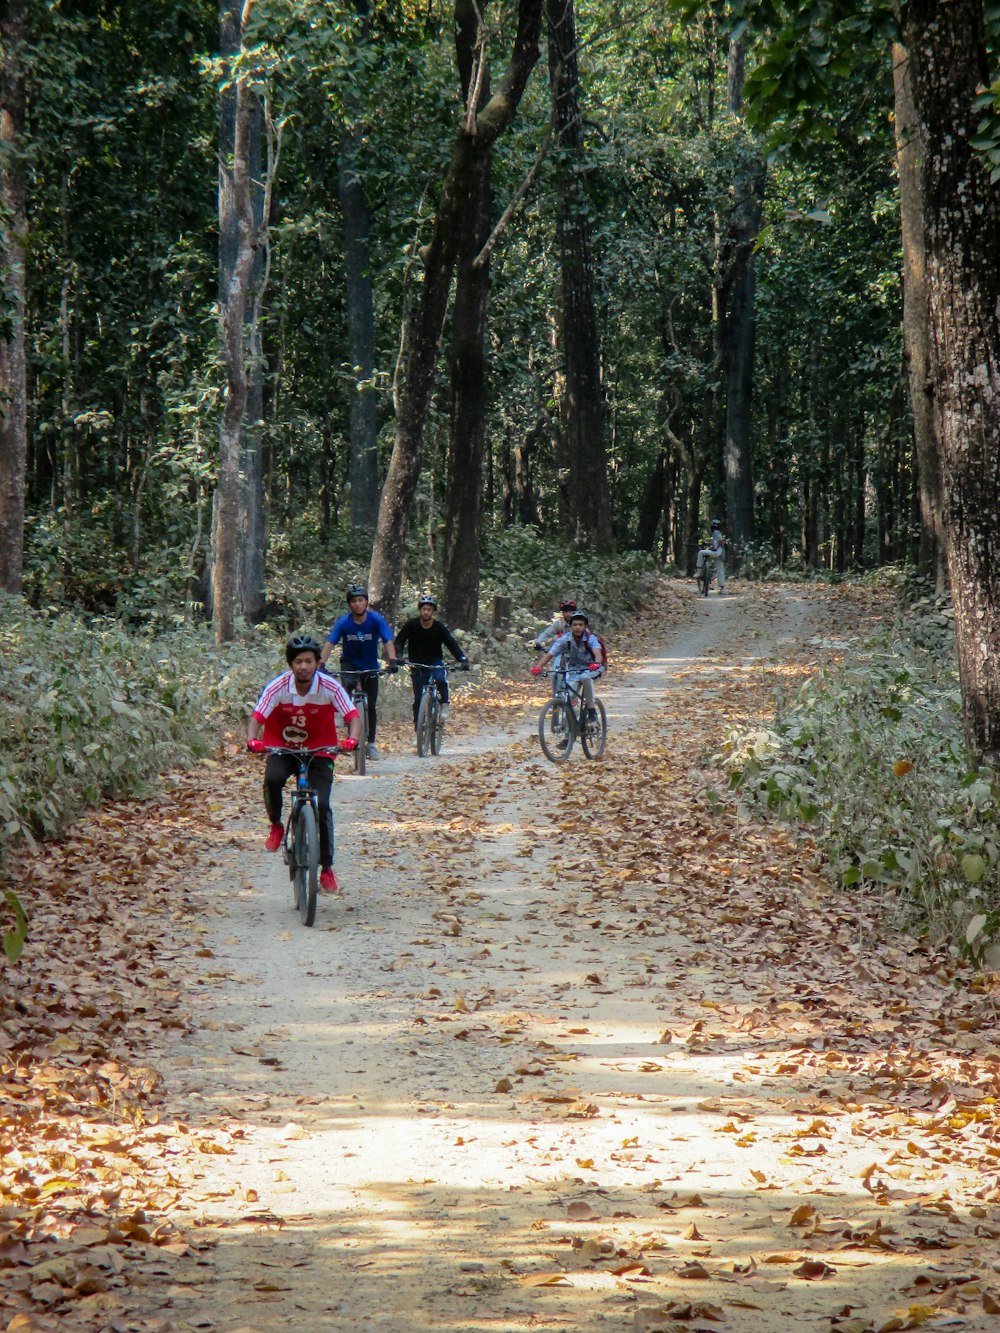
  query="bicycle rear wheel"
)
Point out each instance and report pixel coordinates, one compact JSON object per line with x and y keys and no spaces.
{"x":556,"y":730}
{"x":361,"y":753}
{"x":595,"y":734}
{"x":307,"y":863}
{"x":425,"y":723}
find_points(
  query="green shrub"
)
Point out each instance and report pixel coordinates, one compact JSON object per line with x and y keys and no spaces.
{"x":870,"y":758}
{"x":89,"y":711}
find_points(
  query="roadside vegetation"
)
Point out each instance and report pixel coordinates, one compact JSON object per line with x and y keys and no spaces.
{"x":869,"y":759}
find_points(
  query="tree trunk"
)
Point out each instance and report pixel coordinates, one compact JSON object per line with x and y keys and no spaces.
{"x":251,"y":541}
{"x":13,"y":380}
{"x":363,"y":465}
{"x":238,"y":212}
{"x":961,"y":211}
{"x":916,"y":318}
{"x":466,"y":442}
{"x":589,"y":498}
{"x":740,"y":319}
{"x":422,"y":326}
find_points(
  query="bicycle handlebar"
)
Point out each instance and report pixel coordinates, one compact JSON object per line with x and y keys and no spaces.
{"x":433,"y":666}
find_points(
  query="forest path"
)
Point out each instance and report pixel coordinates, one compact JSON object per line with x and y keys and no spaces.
{"x":569,"y":1051}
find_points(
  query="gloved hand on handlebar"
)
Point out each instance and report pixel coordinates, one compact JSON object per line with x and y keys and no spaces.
{"x":465,"y":664}
{"x":392,"y":667}
{"x":594,"y":666}
{"x":256,"y":746}
{"x":536,"y":670}
{"x":348,"y":743}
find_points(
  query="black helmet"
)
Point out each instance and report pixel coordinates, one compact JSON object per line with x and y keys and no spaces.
{"x":568,"y":605}
{"x":356,"y":590}
{"x":425,"y":599}
{"x":300,"y":643}
{"x":580,"y":615}
{"x":715,"y":523}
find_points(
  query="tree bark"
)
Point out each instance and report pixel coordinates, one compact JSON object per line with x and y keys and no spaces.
{"x":589,"y":500}
{"x":13,"y":377}
{"x":423,"y":325}
{"x":467,"y":437}
{"x":251,"y":543}
{"x":229,"y":501}
{"x":359,"y":298}
{"x":961,"y":211}
{"x":916,"y":318}
{"x":739,"y":323}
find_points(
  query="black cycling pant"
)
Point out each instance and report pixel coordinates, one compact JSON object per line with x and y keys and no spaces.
{"x":369,"y":683}
{"x":419,"y":676}
{"x":278,"y":769}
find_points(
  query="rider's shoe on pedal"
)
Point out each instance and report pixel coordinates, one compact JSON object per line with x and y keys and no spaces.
{"x":274,"y":838}
{"x":328,"y":881}
{"x":445,"y":710}
{"x":591,"y":714}
{"x":373,"y":751}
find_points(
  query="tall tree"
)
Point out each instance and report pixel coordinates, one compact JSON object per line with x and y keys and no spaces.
{"x":582,"y":424}
{"x":739,"y":319}
{"x":356,"y":214}
{"x":961,"y":226}
{"x":233,"y":16}
{"x":13,"y":388}
{"x":467,"y":435}
{"x":237,"y":213}
{"x":422,"y":324}
{"x":910,"y":151}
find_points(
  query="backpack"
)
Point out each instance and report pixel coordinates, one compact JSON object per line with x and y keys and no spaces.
{"x":603,"y":658}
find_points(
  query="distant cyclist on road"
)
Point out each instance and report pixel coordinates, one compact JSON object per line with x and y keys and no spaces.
{"x":716,"y":550}
{"x":422,"y":639}
{"x":296,"y":711}
{"x":360,"y":632}
{"x":581,"y":658}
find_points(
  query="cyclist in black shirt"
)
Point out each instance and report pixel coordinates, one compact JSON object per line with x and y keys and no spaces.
{"x":422,"y":640}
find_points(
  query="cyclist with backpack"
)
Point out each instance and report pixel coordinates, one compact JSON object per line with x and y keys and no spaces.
{"x":359,"y":633}
{"x":584,"y":658}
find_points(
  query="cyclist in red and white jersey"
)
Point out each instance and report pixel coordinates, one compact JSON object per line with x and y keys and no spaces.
{"x":297,"y":711}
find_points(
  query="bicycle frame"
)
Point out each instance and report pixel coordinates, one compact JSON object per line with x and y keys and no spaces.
{"x":303,"y":873}
{"x":429,"y":722}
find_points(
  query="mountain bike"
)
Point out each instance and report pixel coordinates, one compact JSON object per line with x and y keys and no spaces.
{"x":301,"y":842}
{"x":706,"y":574}
{"x":564,"y":718}
{"x":359,"y":697}
{"x":430,"y":715}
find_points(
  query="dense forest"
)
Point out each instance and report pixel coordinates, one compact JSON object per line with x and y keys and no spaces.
{"x":283,"y":275}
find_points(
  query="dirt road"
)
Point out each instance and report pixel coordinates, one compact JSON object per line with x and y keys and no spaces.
{"x":571,"y":1052}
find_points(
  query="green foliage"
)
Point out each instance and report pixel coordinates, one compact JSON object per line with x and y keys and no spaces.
{"x":869,"y":757}
{"x":89,"y":711}
{"x":14,"y":938}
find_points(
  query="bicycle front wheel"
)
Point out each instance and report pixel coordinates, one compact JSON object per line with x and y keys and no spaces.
{"x":704,"y":580}
{"x":437,"y":726}
{"x":307,"y":863}
{"x":424,"y":723}
{"x":556,"y":730}
{"x":595,"y":733}
{"x":361,"y":753}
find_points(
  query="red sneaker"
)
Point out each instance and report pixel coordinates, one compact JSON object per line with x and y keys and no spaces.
{"x":275,"y":838}
{"x":328,"y":881}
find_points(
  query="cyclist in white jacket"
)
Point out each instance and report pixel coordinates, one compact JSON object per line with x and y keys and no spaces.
{"x":716,"y":550}
{"x":554,"y":631}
